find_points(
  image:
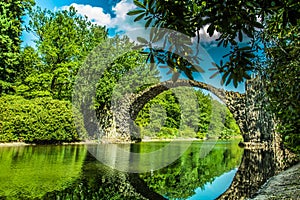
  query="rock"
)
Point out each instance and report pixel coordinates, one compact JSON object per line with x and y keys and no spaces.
{"x":285,"y":185}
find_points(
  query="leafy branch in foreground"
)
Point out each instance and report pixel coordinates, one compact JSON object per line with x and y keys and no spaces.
{"x":270,"y":30}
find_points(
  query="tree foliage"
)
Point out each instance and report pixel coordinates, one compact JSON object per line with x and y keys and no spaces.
{"x":272,"y":29}
{"x":165,"y":117}
{"x":233,"y":20}
{"x":11,"y":12}
{"x":128,"y":73}
{"x":64,"y":39}
{"x":42,"y":120}
{"x":191,"y":171}
{"x":282,"y":73}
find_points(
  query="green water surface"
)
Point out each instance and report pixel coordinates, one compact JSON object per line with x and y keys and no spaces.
{"x":72,"y":172}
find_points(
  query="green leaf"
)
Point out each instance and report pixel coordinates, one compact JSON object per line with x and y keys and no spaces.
{"x":158,"y":36}
{"x":229,"y":79}
{"x":169,"y":72}
{"x":138,"y":47}
{"x":148,"y":23}
{"x":139,"y":4}
{"x":197,"y":69}
{"x":245,"y":48}
{"x":249,"y":55}
{"x":215,"y":65}
{"x":247,"y":76}
{"x":214,"y":75}
{"x":240,"y":36}
{"x":224,"y":77}
{"x":152,"y":66}
{"x":152,"y":33}
{"x":188,"y":73}
{"x":138,"y":18}
{"x":258,"y":25}
{"x":235,"y":83}
{"x":164,"y":66}
{"x":142,"y":40}
{"x":135,"y":12}
{"x":213,"y":69}
{"x":152,"y":62}
{"x":211,"y":29}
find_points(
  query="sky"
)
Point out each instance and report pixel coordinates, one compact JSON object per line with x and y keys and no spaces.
{"x":112,"y":14}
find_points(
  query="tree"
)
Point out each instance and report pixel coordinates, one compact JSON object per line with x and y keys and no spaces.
{"x":11,"y":12}
{"x":166,"y":116}
{"x":126,"y":74}
{"x":282,"y":70}
{"x":64,"y":39}
{"x":232,"y":19}
{"x":272,"y":28}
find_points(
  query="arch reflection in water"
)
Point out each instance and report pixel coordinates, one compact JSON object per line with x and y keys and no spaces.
{"x":189,"y":174}
{"x":257,"y":166}
{"x":72,"y":172}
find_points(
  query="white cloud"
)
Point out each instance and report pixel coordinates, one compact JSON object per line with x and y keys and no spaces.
{"x":95,"y":14}
{"x":121,"y":21}
{"x":205,"y":36}
{"x":124,"y":23}
{"x":121,"y":10}
{"x":205,"y":39}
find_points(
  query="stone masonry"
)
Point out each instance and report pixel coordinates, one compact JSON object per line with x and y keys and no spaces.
{"x":255,"y":123}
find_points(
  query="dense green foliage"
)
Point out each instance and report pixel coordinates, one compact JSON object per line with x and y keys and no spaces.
{"x":272,"y":29}
{"x":234,"y":20}
{"x":44,"y":73}
{"x":165,"y":117}
{"x":127,"y":74}
{"x":282,"y":39}
{"x":42,"y":120}
{"x":64,"y":40}
{"x":192,"y":171}
{"x":11,"y":12}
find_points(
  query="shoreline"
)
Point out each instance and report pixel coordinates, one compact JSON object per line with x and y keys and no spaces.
{"x":20,"y":144}
{"x":148,"y":140}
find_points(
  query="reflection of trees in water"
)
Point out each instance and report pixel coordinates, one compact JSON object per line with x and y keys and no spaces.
{"x":257,"y":166}
{"x":70,"y":172}
{"x":32,"y":171}
{"x":181,"y":178}
{"x":101,"y":182}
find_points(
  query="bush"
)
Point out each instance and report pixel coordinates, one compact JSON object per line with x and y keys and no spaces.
{"x":40,"y":120}
{"x":166,"y":132}
{"x":201,"y":135}
{"x":188,"y":132}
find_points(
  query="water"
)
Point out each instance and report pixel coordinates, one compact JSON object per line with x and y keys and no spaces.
{"x":72,"y":172}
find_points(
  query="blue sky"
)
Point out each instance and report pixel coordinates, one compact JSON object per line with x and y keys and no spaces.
{"x":105,"y":4}
{"x":112,"y":14}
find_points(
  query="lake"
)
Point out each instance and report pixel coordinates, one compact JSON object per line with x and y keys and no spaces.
{"x":73,"y":172}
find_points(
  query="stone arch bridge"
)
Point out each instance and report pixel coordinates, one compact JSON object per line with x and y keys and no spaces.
{"x":255,"y":123}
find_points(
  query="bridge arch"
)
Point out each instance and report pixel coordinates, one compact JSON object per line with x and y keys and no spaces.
{"x":127,"y":110}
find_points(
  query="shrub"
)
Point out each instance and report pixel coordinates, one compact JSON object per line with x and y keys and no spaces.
{"x":201,"y":135}
{"x":166,"y":132}
{"x":40,"y":120}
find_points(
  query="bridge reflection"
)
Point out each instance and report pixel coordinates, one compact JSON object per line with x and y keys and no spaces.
{"x":257,"y":166}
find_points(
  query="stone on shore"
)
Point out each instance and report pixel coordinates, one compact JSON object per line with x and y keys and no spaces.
{"x":285,"y":185}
